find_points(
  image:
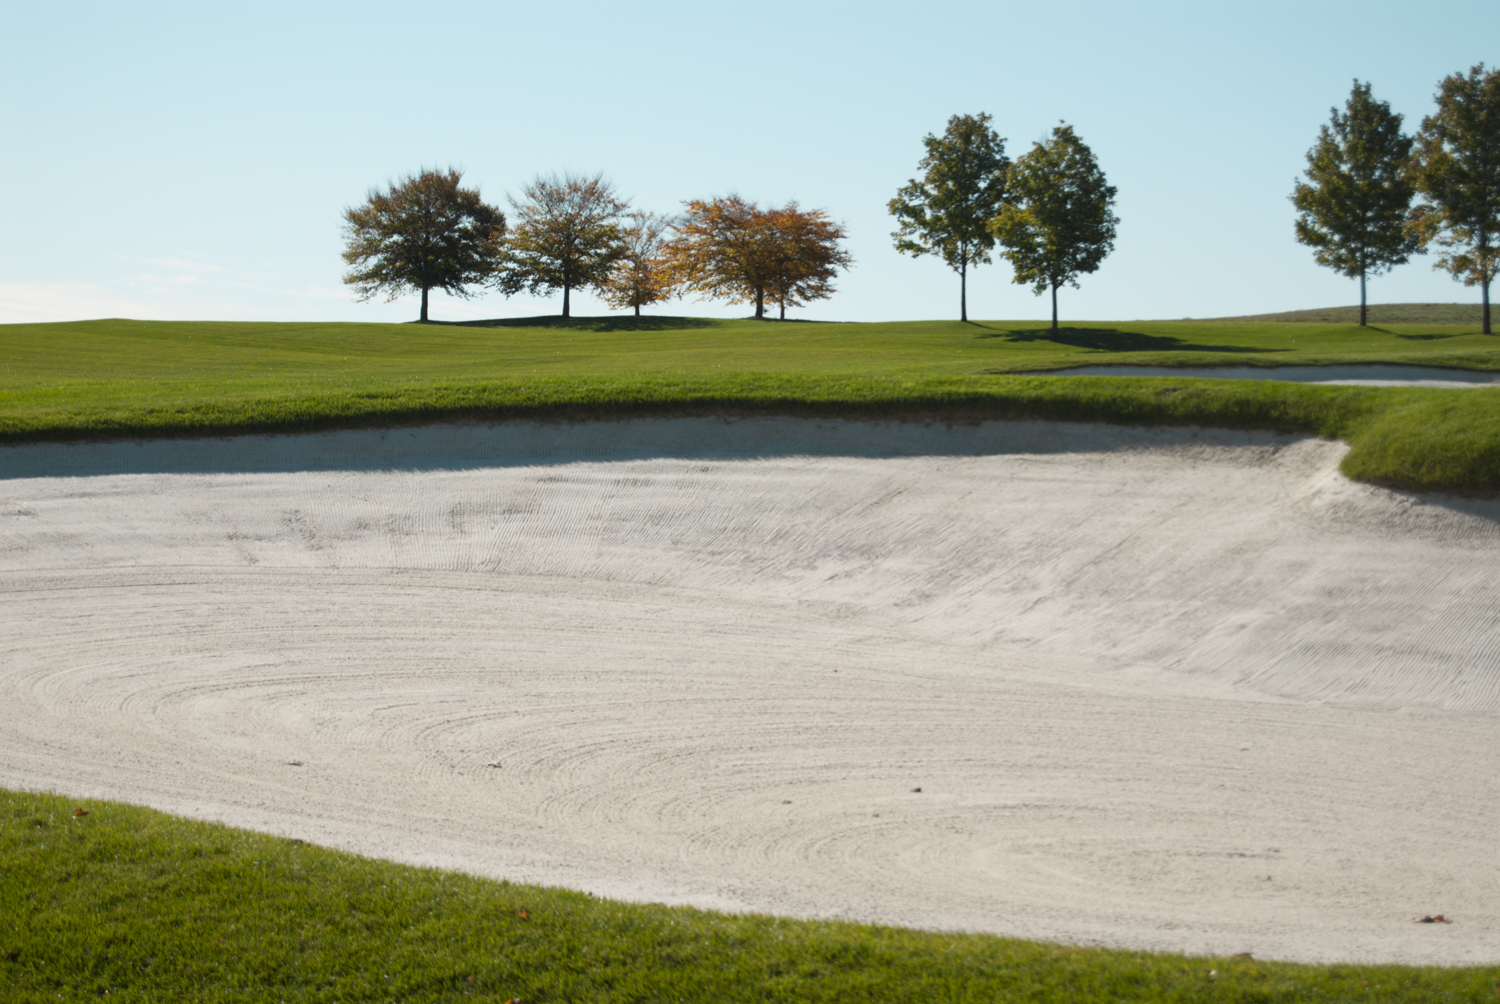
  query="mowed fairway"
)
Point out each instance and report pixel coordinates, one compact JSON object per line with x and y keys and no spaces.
{"x":1167,"y":689}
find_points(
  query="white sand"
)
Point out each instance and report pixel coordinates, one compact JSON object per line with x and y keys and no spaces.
{"x":1160,"y":689}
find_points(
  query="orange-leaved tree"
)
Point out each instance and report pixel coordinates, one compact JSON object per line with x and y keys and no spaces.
{"x":731,"y":249}
{"x":805,"y":255}
{"x":640,"y":277}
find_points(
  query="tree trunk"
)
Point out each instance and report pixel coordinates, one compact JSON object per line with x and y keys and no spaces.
{"x":1054,"y":309}
{"x":566,"y":291}
{"x":423,"y":318}
{"x":637,"y":310}
{"x":1485,"y":293}
{"x":963,"y":292}
{"x":760,"y":304}
{"x":783,"y":309}
{"x":1361,"y":299}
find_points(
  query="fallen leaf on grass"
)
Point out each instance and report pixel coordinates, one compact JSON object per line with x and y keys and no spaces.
{"x":80,"y":812}
{"x":1433,"y":919}
{"x":524,"y":914}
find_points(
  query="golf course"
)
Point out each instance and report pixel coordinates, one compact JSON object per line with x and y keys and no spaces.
{"x":669,"y":658}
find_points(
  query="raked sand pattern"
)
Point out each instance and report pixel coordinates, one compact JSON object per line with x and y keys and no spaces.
{"x":1164,"y":689}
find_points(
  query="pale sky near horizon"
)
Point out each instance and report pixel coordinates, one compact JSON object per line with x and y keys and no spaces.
{"x":186,"y":161}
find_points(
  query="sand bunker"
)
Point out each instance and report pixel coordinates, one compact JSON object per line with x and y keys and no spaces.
{"x":1359,"y":375}
{"x":1164,"y":689}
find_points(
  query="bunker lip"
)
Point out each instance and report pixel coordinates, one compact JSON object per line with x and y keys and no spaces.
{"x":1160,"y":689}
{"x":1345,"y":374}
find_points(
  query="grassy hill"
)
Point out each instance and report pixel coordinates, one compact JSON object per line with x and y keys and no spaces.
{"x":1380,"y":313}
{"x":116,"y":378}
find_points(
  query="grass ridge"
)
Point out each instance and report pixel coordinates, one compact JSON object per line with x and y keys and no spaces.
{"x":136,"y":380}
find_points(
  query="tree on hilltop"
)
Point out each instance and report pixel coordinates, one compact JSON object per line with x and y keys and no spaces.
{"x":729,"y":248}
{"x":640,"y":276}
{"x":1354,"y":206}
{"x":1457,"y":172}
{"x":805,"y":255}
{"x":718,"y":249}
{"x":947,"y":212}
{"x":426,"y":232}
{"x":567,"y":236}
{"x":1061,"y":222}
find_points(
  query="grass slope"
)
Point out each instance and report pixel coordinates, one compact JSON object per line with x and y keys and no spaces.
{"x":141,"y":906}
{"x":101,"y":379}
{"x":1381,"y":313}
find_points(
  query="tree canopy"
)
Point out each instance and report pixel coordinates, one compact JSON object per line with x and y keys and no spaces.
{"x":729,"y":248}
{"x":640,"y":276}
{"x":805,"y":255}
{"x":947,"y":212}
{"x":567,"y":236}
{"x":1353,"y":208}
{"x":426,"y":232}
{"x":1457,"y":172}
{"x":1061,"y":222}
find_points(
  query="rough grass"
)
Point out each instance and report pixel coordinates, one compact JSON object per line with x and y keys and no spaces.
{"x":112,"y":379}
{"x":127,"y":904}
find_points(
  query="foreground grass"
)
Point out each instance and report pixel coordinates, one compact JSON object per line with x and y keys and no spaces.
{"x":142,"y":906}
{"x":105,"y":379}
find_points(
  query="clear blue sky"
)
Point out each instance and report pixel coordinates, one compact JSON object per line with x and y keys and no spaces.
{"x":192,"y":160}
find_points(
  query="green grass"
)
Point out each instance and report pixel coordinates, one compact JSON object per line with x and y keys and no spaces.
{"x":102,"y":379}
{"x":1471,"y":314}
{"x":141,"y":906}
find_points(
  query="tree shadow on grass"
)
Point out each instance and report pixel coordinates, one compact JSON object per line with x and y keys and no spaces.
{"x":630,"y":323}
{"x":1114,"y":340}
{"x":1427,"y":338}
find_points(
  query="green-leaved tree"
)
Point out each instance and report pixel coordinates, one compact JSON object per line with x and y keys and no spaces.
{"x":947,"y":212}
{"x":1060,"y":222}
{"x":426,"y":232}
{"x":1353,"y":209}
{"x":567,"y":235}
{"x":1457,"y":171}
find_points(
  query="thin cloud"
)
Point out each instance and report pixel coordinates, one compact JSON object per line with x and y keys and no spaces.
{"x":41,"y":302}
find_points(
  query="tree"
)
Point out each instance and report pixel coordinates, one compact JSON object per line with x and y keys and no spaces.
{"x":947,"y":213}
{"x":1354,"y":206}
{"x":731,"y":249}
{"x":567,"y":236}
{"x":640,"y":277}
{"x":719,"y":249}
{"x":1457,"y":172}
{"x":427,"y":232}
{"x":1061,"y":223}
{"x":805,"y":255}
